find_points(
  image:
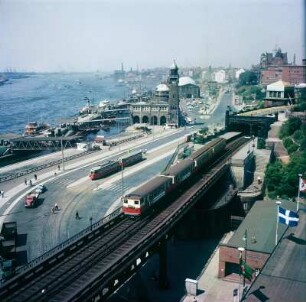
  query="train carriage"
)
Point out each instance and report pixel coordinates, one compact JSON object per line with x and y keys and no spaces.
{"x":180,"y":171}
{"x":104,"y":170}
{"x":207,"y":152}
{"x":131,"y":158}
{"x":139,"y":200}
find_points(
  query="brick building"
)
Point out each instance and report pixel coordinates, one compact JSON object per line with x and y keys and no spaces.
{"x":260,"y":227}
{"x":293,"y":74}
{"x":275,"y":67}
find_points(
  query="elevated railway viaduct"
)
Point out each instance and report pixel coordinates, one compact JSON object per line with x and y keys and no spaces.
{"x":96,"y":262}
{"x":250,"y":125}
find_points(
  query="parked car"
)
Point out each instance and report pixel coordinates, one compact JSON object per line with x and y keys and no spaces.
{"x":40,"y":189}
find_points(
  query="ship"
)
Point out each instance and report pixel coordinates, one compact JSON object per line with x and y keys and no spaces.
{"x":33,"y":128}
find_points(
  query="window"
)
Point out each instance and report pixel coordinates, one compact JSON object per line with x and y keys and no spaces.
{"x":136,"y":202}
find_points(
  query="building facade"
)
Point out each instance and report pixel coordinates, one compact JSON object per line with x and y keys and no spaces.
{"x":220,"y":76}
{"x":173,"y":101}
{"x":275,"y":67}
{"x":154,"y":113}
{"x":292,"y":74}
{"x":163,"y":108}
{"x":188,"y":88}
{"x":278,"y":94}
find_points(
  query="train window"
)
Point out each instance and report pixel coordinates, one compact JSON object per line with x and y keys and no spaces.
{"x":125,"y":201}
{"x":136,"y":201}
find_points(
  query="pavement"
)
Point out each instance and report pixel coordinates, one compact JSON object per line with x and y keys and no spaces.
{"x":16,"y":189}
{"x":210,"y":287}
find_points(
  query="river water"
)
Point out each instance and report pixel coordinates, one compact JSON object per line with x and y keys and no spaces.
{"x":51,"y":98}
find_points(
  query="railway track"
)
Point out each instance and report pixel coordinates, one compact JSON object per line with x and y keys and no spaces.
{"x":94,"y":266}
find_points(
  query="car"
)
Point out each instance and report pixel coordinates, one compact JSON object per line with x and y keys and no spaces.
{"x":40,"y":189}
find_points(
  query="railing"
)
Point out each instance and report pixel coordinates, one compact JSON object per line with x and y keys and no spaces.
{"x":41,"y":167}
{"x":69,"y":241}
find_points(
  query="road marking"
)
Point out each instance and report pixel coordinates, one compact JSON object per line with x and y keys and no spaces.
{"x":78,"y":182}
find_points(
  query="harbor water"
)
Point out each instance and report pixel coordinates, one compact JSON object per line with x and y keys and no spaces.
{"x":53,"y":97}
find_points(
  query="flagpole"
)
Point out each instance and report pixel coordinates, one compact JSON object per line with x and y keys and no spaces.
{"x":276,"y":233}
{"x":298,"y":199}
{"x":240,"y":249}
{"x":245,"y":239}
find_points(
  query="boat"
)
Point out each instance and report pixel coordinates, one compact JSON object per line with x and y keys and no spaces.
{"x":104,"y":104}
{"x":33,"y":128}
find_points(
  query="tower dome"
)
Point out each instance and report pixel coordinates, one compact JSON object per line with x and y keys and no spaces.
{"x":162,"y":88}
{"x":173,"y":66}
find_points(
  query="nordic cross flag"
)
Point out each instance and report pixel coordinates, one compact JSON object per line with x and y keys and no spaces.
{"x":302,"y":185}
{"x":288,"y":217}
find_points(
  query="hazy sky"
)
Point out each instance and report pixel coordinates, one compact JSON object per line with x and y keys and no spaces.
{"x":89,"y":35}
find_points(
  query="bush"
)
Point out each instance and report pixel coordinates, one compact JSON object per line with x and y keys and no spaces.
{"x":298,"y":136}
{"x":300,"y":107}
{"x":303,"y":144}
{"x":261,"y":144}
{"x":290,"y":126}
{"x":292,"y":148}
{"x":287,"y":142}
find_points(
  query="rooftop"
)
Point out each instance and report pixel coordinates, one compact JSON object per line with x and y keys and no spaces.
{"x":278,"y":86}
{"x":186,"y":81}
{"x":283,"y":277}
{"x":261,"y":223}
{"x":162,"y":87}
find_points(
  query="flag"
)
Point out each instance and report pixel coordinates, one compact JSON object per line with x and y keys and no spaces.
{"x":302,"y":186}
{"x":246,"y":270}
{"x":288,"y":217}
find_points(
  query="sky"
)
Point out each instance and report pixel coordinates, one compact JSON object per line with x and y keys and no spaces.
{"x":90,"y":35}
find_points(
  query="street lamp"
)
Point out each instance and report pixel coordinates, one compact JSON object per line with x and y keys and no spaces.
{"x":122,"y":178}
{"x":62,"y":154}
{"x":90,"y":219}
{"x":241,"y":250}
{"x":298,"y":199}
{"x":245,"y":239}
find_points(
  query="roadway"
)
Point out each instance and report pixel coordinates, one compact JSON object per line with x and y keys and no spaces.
{"x":74,"y":191}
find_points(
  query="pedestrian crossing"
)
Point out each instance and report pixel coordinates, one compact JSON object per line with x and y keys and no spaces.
{"x":63,"y":181}
{"x":115,"y":187}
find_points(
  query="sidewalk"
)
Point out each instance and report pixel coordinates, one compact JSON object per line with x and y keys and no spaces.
{"x":210,"y":287}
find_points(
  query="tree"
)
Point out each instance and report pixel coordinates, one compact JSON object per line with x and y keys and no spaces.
{"x":290,"y":126}
{"x":248,"y":78}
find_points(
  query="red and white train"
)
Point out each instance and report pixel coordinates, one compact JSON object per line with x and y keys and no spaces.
{"x":141,"y":199}
{"x":110,"y":167}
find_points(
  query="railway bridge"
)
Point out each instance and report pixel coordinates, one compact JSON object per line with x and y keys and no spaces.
{"x":97,"y":261}
{"x":250,"y":125}
{"x":30,"y":143}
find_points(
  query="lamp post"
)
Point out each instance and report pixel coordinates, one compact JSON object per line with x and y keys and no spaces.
{"x":90,"y":219}
{"x":240,"y":249}
{"x":245,"y":239}
{"x":278,"y":202}
{"x":122,"y":178}
{"x":298,"y":199}
{"x":62,"y":154}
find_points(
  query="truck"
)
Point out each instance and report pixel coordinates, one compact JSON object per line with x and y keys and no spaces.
{"x":8,"y":240}
{"x":31,"y":200}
